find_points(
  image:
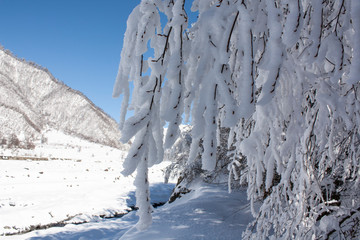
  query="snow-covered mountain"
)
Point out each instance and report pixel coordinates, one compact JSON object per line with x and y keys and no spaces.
{"x":33,"y":102}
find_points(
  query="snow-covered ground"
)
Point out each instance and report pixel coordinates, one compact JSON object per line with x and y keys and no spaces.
{"x":208,"y":212}
{"x":70,"y":185}
{"x":69,"y":180}
{"x":59,"y":145}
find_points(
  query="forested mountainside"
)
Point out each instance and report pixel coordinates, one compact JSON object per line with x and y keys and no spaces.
{"x":33,"y":101}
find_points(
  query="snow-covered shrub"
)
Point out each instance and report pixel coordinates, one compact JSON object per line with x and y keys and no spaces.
{"x":186,"y":173}
{"x":13,"y":141}
{"x":178,"y":154}
{"x":281,"y":75}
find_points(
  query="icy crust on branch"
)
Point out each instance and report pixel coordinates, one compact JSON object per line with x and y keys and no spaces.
{"x":355,"y":64}
{"x":283,"y":76}
{"x":164,"y":83}
{"x":302,"y":152}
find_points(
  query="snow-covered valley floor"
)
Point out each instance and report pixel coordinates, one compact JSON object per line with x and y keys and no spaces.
{"x":67,"y":180}
{"x":39,"y":193}
{"x":62,"y":191}
{"x":208,"y":212}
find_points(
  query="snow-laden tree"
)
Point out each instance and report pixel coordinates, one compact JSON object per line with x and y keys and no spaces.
{"x":283,"y":75}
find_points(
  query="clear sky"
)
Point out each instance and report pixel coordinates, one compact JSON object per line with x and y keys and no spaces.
{"x":79,"y":41}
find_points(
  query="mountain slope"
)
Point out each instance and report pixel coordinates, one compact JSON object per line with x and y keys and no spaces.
{"x":32,"y":101}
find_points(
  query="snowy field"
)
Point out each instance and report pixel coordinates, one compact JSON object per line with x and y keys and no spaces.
{"x":66,"y":183}
{"x":74,"y":190}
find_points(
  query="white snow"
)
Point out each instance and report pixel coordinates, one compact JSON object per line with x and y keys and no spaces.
{"x":65,"y":180}
{"x":59,"y":145}
{"x":208,"y":212}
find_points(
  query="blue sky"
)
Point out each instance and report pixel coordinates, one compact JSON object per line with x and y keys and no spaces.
{"x":79,"y":41}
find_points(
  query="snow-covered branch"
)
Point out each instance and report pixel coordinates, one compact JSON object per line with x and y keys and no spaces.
{"x":282,"y":76}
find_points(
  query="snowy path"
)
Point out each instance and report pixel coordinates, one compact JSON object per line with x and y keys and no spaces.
{"x":208,"y":212}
